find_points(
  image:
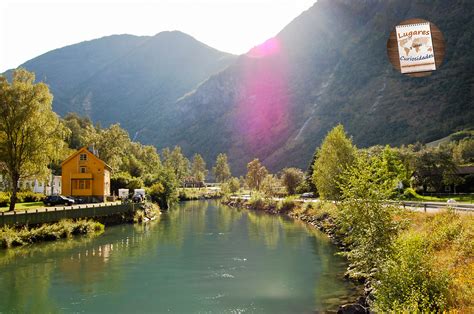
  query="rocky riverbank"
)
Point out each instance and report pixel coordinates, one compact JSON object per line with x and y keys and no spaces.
{"x":321,"y":220}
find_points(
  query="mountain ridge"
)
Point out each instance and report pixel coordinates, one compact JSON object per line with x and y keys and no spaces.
{"x":278,"y":101}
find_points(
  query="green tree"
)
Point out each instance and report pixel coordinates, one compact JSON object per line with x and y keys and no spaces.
{"x":221,"y":170}
{"x":112,"y":145}
{"x":270,"y":185}
{"x":334,"y":156}
{"x":433,"y":166}
{"x":234,"y":185}
{"x":291,"y":179}
{"x":176,"y":161}
{"x":365,"y":218}
{"x":198,"y":168}
{"x":463,"y":152}
{"x":30,"y":132}
{"x":256,"y":172}
{"x":167,"y":194}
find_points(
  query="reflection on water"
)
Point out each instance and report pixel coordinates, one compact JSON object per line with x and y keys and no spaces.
{"x":199,"y":257}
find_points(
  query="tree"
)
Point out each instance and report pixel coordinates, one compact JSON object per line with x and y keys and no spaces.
{"x":291,"y":179}
{"x":221,"y":170}
{"x":30,"y":132}
{"x":433,"y":167}
{"x":256,"y":172}
{"x":165,"y":187}
{"x":234,"y":185}
{"x":365,"y":218}
{"x":176,"y":161}
{"x":270,"y":185}
{"x":198,"y":168}
{"x":335,"y":155}
{"x":463,"y":152}
{"x":112,"y":145}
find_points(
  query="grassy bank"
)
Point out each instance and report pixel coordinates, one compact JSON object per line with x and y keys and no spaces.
{"x":430,"y":264}
{"x":191,"y":194}
{"x":11,"y":236}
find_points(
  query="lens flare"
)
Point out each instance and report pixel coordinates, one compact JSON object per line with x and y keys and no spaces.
{"x":264,"y":102}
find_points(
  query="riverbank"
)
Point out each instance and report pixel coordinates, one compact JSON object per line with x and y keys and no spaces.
{"x":431,"y":267}
{"x":193,"y":194}
{"x":12,"y":236}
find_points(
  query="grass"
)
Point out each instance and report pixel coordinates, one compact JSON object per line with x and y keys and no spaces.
{"x":433,"y":265}
{"x":410,"y":194}
{"x":24,"y":206}
{"x":11,"y":236}
{"x":467,"y":198}
{"x":187,"y":194}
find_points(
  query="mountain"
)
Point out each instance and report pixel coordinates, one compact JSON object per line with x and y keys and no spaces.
{"x":329,"y":66}
{"x":122,"y":78}
{"x":278,"y":101}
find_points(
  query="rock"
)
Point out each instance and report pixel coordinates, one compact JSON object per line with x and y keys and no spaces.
{"x":353,"y":308}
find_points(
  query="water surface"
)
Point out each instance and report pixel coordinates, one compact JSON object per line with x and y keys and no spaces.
{"x":200,"y":257}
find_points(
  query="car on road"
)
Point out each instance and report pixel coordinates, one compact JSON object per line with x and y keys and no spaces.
{"x":307,"y":195}
{"x":58,"y":200}
{"x":137,"y":198}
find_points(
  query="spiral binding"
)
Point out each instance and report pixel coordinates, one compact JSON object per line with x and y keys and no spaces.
{"x":411,"y":25}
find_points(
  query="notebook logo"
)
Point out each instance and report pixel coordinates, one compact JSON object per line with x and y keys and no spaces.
{"x":416,"y":47}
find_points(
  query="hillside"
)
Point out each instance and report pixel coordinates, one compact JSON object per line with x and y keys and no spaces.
{"x":123,"y":78}
{"x":329,"y":66}
{"x":278,"y":101}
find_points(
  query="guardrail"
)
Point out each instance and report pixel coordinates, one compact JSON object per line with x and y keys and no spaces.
{"x":45,"y":215}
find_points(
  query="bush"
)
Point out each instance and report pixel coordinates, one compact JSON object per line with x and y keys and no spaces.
{"x":408,"y":282}
{"x":28,"y":196}
{"x":4,"y":199}
{"x":257,"y":201}
{"x":287,"y":205}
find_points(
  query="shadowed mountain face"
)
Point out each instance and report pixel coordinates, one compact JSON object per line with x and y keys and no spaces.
{"x":278,"y":101}
{"x":330,"y":66}
{"x":124,"y":78}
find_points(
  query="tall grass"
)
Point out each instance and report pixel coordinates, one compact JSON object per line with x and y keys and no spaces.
{"x":10,"y":236}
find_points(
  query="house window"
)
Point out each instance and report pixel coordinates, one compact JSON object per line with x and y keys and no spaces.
{"x":83,"y":157}
{"x":82,"y":169}
{"x":82,"y":184}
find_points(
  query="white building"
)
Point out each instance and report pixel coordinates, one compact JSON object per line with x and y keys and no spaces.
{"x":35,"y":185}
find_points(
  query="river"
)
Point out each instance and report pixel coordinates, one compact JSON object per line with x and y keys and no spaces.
{"x":200,"y":257}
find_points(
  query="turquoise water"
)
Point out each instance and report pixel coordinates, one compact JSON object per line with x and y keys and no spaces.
{"x":200,"y":257}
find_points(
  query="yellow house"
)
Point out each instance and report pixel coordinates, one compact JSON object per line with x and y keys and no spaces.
{"x":85,"y":175}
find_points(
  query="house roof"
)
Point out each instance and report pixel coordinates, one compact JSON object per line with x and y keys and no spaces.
{"x":85,"y":150}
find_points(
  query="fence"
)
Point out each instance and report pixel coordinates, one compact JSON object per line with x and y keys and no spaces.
{"x":44,"y":215}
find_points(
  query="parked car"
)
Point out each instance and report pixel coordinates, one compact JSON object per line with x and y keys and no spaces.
{"x":77,"y":200}
{"x":137,"y":198}
{"x":307,"y":195}
{"x":58,"y":200}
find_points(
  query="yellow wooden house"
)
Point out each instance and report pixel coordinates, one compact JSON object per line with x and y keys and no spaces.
{"x":86,"y":176}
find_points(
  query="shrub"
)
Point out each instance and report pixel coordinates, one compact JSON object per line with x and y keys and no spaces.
{"x":287,"y":205}
{"x":29,"y":196}
{"x":408,"y":282}
{"x":257,"y":201}
{"x":4,"y":199}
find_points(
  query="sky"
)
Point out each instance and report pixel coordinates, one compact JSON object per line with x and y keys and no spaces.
{"x":29,"y":28}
